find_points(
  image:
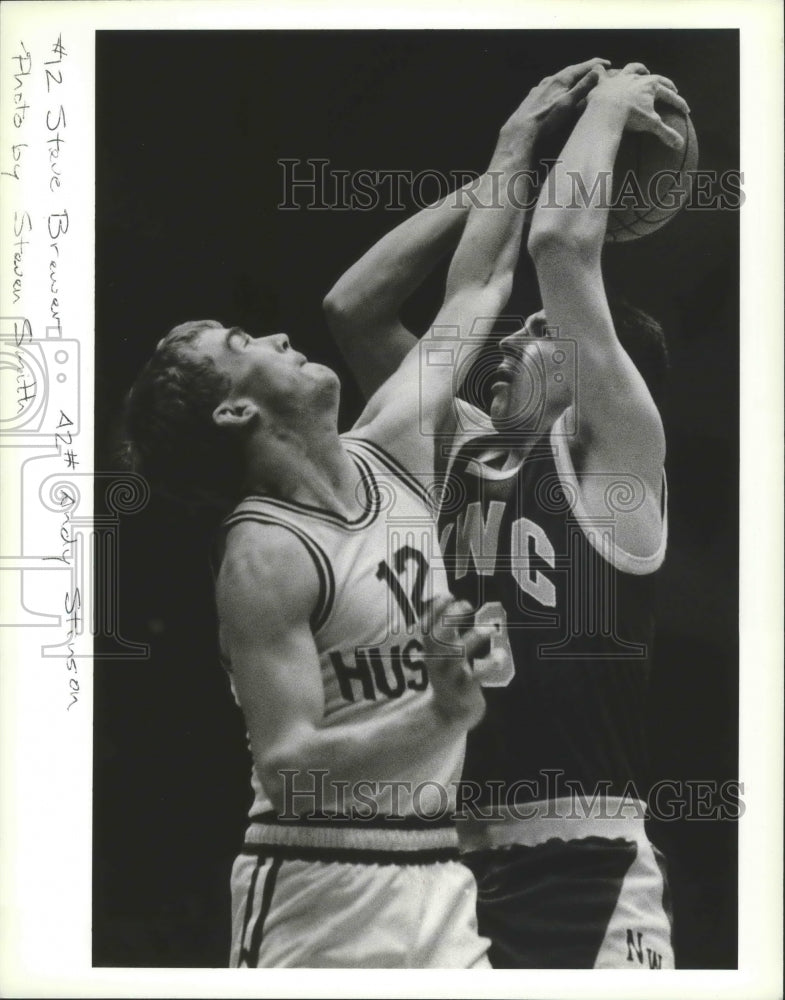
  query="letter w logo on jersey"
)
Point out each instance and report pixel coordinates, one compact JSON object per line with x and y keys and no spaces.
{"x":476,"y":538}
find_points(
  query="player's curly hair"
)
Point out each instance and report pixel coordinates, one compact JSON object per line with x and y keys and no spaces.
{"x":170,"y":435}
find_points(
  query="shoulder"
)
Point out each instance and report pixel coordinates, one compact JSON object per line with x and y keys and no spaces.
{"x":266,"y":570}
{"x":426,"y":453}
{"x":622,"y":502}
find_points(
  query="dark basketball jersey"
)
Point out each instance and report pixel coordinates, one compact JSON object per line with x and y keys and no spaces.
{"x":571,"y":716}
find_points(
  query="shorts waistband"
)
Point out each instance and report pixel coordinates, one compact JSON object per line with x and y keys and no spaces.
{"x":533,"y":823}
{"x":339,"y":835}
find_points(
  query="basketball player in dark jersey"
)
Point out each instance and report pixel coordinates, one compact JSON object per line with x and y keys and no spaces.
{"x":312,"y":582}
{"x":553,"y":524}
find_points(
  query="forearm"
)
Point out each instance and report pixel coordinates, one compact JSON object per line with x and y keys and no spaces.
{"x":617,"y":423}
{"x":488,"y":251}
{"x":377,"y":748}
{"x":479,"y":282}
{"x":572,"y":210}
{"x":370,"y":294}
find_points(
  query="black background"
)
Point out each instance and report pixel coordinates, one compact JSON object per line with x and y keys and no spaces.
{"x":189,"y":127}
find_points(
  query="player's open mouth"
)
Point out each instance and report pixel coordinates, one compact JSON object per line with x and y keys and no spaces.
{"x":505,"y":373}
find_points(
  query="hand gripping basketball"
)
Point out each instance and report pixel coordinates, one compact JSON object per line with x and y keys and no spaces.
{"x":658,"y":154}
{"x":555,"y":98}
{"x":637,"y":90}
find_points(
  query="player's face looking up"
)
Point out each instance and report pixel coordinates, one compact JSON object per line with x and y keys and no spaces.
{"x":533,"y":383}
{"x":267,"y":370}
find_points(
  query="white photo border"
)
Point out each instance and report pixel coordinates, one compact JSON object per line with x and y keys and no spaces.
{"x":47,"y":751}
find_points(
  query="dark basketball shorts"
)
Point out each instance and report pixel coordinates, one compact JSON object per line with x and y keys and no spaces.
{"x":563,"y":901}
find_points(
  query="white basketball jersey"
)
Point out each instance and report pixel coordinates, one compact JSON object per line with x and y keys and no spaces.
{"x":375,"y":572}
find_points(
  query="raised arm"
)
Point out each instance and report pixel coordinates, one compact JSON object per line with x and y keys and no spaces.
{"x":363,"y":308}
{"x":619,"y":429}
{"x":416,"y":403}
{"x":266,"y":592}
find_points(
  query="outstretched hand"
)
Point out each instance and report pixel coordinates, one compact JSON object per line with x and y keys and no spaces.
{"x":555,"y":98}
{"x":635,"y":90}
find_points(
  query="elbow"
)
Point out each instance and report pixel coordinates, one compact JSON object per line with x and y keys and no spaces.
{"x":549,"y":241}
{"x":542,"y":239}
{"x":340,"y":311}
{"x":286,"y":772}
{"x":334,"y":305}
{"x":285,"y":783}
{"x":272,"y":773}
{"x":276,"y":790}
{"x":280,"y":771}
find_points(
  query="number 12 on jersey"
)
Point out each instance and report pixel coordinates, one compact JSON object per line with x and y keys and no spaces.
{"x":495,"y":674}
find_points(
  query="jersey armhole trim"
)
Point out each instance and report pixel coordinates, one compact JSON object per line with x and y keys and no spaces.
{"x":324,"y":570}
{"x":391,"y":464}
{"x":621,"y":560}
{"x":478,"y":417}
{"x":369,"y":515}
{"x":465,"y":435}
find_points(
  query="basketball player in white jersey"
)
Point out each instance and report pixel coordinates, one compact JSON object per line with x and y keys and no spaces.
{"x":355,"y":689}
{"x":356,"y":710}
{"x":534,"y":537}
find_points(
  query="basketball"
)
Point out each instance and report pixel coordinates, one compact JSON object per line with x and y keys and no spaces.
{"x":651,"y":181}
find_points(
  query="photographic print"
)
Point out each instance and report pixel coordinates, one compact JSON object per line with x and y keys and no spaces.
{"x":375,"y":426}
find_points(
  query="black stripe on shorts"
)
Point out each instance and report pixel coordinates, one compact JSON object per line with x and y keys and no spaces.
{"x":249,"y":957}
